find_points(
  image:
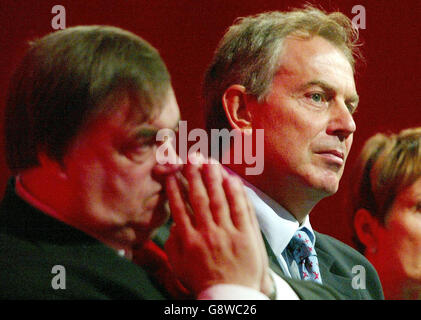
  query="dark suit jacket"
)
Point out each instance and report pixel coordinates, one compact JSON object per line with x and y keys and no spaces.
{"x":336,"y":262}
{"x":32,"y":243}
{"x":306,"y":290}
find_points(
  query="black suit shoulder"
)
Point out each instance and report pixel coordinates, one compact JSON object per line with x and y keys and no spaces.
{"x":344,"y":261}
{"x":43,"y":258}
{"x":333,"y":245}
{"x":338,"y":249}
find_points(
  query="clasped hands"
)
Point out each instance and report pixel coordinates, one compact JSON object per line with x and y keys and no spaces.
{"x":215,"y":238}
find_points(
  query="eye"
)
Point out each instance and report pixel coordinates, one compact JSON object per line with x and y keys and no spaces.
{"x":317,"y":97}
{"x":138,"y":151}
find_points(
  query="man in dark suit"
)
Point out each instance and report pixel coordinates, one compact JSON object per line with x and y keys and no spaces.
{"x":84,"y":108}
{"x":288,"y":78}
{"x":82,"y":117}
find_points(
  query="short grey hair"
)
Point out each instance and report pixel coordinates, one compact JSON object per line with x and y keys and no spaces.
{"x":250,"y":51}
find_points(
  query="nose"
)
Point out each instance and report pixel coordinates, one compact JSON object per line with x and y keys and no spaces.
{"x":342,"y":122}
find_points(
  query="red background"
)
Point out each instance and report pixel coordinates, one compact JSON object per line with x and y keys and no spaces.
{"x":186,"y":33}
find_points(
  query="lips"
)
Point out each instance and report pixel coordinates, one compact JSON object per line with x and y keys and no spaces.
{"x":334,"y":156}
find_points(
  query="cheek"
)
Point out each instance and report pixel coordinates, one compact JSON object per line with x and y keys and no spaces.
{"x":281,"y":150}
{"x":118,"y":182}
{"x":348,"y":143}
{"x":288,"y":138}
{"x":132,"y":180}
{"x":404,"y":240}
{"x":287,"y":126}
{"x":411,"y":245}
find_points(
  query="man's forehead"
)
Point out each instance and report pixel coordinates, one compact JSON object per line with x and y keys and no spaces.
{"x":169,"y":114}
{"x":167,"y":118}
{"x":163,"y":114}
{"x":315,"y":61}
{"x":297,"y":51}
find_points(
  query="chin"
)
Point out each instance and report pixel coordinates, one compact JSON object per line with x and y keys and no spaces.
{"x":326,"y":188}
{"x":329,"y":183}
{"x":124,"y":236}
{"x":331,"y":191}
{"x":330,"y":186}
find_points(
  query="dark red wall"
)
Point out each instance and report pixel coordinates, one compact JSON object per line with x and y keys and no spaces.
{"x":186,"y":33}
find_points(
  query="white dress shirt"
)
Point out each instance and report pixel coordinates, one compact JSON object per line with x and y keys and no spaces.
{"x":277,"y":224}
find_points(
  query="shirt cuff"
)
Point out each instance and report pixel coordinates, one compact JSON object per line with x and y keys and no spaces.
{"x":231,"y":292}
{"x":283,"y":289}
{"x":238,"y":292}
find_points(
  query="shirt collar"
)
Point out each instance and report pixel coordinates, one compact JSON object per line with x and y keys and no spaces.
{"x":276,"y":223}
{"x":29,"y":198}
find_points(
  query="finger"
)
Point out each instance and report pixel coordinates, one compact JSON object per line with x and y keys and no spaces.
{"x":224,"y":172}
{"x":198,"y":197}
{"x":178,"y":208}
{"x":218,"y":202}
{"x":237,"y":202}
{"x":196,"y":158}
{"x":183,"y":185}
{"x":173,"y":247}
{"x":173,"y":243}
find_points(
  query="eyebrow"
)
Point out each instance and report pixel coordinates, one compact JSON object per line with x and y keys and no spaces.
{"x":149,"y":132}
{"x":353,"y":99}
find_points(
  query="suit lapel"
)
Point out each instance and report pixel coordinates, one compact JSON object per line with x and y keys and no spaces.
{"x":273,"y":260}
{"x":333,"y":275}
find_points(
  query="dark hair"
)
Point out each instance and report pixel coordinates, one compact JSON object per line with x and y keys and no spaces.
{"x":64,"y":78}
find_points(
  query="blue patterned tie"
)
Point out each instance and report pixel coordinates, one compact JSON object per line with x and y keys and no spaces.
{"x":305,"y":256}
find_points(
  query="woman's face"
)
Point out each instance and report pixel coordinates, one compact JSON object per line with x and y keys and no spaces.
{"x":398,"y":256}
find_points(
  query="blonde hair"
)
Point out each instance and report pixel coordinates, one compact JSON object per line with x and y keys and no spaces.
{"x":387,"y":165}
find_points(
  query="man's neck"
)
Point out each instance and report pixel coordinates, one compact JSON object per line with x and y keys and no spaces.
{"x":41,"y":190}
{"x":299,"y":201}
{"x":35,"y":186}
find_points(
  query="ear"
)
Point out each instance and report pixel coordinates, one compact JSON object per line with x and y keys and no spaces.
{"x":234,"y":102}
{"x":367,"y":229}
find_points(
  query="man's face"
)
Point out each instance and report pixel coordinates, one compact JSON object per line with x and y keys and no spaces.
{"x":111,"y":173}
{"x":307,"y":118}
